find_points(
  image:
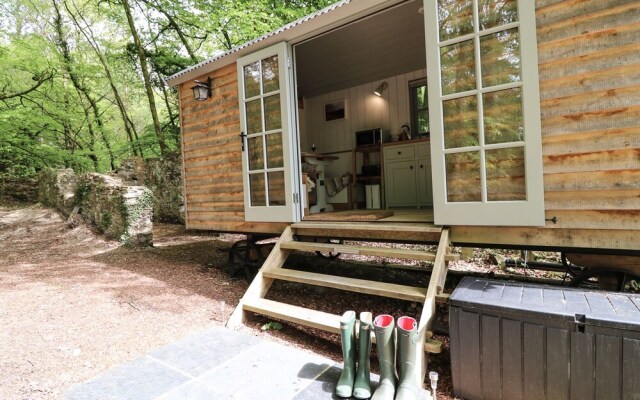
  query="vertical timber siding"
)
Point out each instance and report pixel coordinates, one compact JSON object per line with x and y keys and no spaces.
{"x":212,"y":157}
{"x":589,"y":66}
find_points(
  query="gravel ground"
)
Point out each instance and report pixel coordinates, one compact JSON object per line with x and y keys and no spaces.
{"x":73,"y":305}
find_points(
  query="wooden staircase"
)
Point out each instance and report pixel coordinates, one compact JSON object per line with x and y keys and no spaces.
{"x":254,"y":298}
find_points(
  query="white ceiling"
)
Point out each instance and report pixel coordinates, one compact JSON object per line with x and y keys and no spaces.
{"x":386,"y":44}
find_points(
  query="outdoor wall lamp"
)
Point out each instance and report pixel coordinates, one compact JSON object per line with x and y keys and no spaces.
{"x":381,"y":88}
{"x":202,"y":90}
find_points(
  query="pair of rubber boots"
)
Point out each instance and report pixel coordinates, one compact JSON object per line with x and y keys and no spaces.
{"x":401,"y":386}
{"x":355,"y":382}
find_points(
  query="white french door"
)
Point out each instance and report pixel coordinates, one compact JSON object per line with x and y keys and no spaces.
{"x":268,"y":136}
{"x":484,"y":110}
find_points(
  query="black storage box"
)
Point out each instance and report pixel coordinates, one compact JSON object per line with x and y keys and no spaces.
{"x":525,"y":341}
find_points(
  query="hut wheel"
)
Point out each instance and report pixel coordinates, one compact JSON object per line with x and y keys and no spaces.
{"x":613,"y":280}
{"x":572,"y":269}
{"x":245,"y":258}
{"x":328,"y":254}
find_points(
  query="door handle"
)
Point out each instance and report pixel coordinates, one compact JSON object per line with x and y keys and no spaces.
{"x":411,"y":167}
{"x":242,"y":136}
{"x":421,"y":166}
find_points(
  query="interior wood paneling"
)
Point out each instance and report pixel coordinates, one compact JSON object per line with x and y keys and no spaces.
{"x":365,"y":110}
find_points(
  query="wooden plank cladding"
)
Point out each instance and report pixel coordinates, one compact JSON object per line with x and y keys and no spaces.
{"x":546,"y":238}
{"x":589,"y":63}
{"x":589,"y":76}
{"x":212,"y":157}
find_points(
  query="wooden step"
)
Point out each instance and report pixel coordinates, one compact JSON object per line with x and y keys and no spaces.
{"x":395,"y":291}
{"x":405,"y":232}
{"x":311,"y":318}
{"x":298,"y":315}
{"x":404,"y":254}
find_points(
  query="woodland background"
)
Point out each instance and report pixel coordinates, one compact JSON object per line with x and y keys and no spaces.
{"x":82,"y":82}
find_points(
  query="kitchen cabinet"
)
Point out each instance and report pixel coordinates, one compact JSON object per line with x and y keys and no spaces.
{"x":407,"y":175}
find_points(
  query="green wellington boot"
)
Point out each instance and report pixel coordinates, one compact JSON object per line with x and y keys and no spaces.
{"x":408,"y":370}
{"x":344,"y":388}
{"x":362,"y":387}
{"x":384,"y":328}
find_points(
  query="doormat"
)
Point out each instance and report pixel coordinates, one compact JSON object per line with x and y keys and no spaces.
{"x":350,"y":215}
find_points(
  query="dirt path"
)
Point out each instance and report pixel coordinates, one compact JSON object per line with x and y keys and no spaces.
{"x":73,"y":305}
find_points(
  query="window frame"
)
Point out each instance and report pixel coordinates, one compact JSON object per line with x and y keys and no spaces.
{"x":529,"y":212}
{"x":414,"y":109}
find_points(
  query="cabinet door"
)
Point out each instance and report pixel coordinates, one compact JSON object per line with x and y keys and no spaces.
{"x":425,"y":187}
{"x":400,"y":183}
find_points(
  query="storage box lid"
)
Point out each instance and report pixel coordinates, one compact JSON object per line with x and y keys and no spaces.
{"x":598,"y":308}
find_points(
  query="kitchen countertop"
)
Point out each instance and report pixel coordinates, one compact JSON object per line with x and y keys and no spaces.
{"x":410,"y":141}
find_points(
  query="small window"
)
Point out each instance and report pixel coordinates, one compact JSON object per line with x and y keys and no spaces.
{"x":419,"y":108}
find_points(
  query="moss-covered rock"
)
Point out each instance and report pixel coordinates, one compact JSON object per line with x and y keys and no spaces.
{"x":164,"y":177}
{"x":57,"y":189}
{"x":138,"y":213}
{"x":120,"y":212}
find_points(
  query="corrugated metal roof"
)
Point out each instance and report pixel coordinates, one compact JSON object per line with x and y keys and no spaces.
{"x":175,"y":79}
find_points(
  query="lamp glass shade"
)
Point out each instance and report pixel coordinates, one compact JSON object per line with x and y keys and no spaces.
{"x":200,"y":92}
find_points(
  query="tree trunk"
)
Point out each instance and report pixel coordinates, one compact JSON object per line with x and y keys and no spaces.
{"x":147,"y":80}
{"x":129,"y":128}
{"x":63,"y":45}
{"x":172,"y":116}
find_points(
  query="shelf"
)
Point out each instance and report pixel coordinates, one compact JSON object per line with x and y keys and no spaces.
{"x":362,"y":178}
{"x":368,"y":148}
{"x":371,"y":162}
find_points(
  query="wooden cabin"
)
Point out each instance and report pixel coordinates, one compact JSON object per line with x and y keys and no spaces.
{"x":530,"y":136}
{"x":510,"y":123}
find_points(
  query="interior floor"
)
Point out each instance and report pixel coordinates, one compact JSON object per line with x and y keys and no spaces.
{"x":423,"y":215}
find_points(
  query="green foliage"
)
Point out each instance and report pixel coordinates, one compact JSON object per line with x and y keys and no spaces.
{"x":632,"y":286}
{"x":132,"y":212}
{"x":71,"y":91}
{"x":142,"y":204}
{"x":105,"y":220}
{"x":81,"y":193}
{"x":272,"y":325}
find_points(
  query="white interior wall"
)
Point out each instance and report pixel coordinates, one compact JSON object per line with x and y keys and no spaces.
{"x":365,"y":110}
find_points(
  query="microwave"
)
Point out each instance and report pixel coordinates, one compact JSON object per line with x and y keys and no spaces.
{"x":372,"y":136}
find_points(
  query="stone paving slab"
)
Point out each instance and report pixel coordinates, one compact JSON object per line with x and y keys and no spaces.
{"x":324,"y":386}
{"x":140,"y":379}
{"x":196,"y":354}
{"x":268,"y":371}
{"x":218,"y":364}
